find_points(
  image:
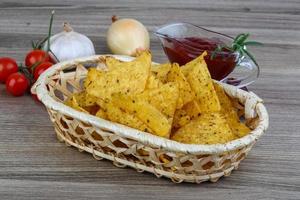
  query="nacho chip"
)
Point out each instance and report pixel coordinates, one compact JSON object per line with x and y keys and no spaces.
{"x":225,"y":101}
{"x":192,"y":109}
{"x":202,"y":84}
{"x":92,"y":75}
{"x":185,"y":92}
{"x":80,"y":98}
{"x":72,"y":102}
{"x":188,"y":67}
{"x":102,"y":114}
{"x":115,"y":114}
{"x":230,"y":113}
{"x":147,"y":113}
{"x":181,"y":118}
{"x":153,"y":82}
{"x":184,"y":115}
{"x":90,"y":100}
{"x":239,"y":129}
{"x":163,"y":98}
{"x":113,"y":63}
{"x":130,"y":78}
{"x":227,"y":108}
{"x":161,"y":71}
{"x":209,"y":128}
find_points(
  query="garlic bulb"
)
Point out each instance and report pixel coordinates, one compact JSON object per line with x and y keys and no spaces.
{"x":70,"y":44}
{"x":126,"y":36}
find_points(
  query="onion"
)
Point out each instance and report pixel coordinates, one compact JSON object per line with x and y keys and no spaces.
{"x":127,"y":36}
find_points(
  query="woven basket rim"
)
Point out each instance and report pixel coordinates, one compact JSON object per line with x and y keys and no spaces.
{"x":146,"y":138}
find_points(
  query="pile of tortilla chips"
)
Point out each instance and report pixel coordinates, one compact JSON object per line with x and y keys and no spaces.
{"x":179,"y":103}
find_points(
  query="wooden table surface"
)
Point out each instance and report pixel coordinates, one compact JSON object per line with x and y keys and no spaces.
{"x":34,"y":165}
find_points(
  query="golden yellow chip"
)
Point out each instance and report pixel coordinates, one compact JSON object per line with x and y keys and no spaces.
{"x":102,"y":114}
{"x":192,"y":109}
{"x":230,"y":113}
{"x":161,"y":71}
{"x":79,"y":98}
{"x":184,"y":115}
{"x":153,"y":82}
{"x":188,"y":67}
{"x":181,"y":118}
{"x":72,"y":102}
{"x":185,"y":92}
{"x":239,"y":128}
{"x":225,"y":101}
{"x":202,"y":84}
{"x":130,"y":78}
{"x":209,"y":128}
{"x":163,"y":98}
{"x":147,"y":113}
{"x":92,"y":75}
{"x":115,"y":114}
{"x":113,"y":63}
{"x":90,"y":100}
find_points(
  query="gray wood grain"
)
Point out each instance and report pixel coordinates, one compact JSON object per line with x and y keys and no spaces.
{"x":34,"y":165}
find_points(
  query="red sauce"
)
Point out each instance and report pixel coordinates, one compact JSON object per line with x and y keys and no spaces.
{"x":183,"y":50}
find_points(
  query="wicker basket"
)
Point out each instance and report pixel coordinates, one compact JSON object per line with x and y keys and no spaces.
{"x":126,"y":146}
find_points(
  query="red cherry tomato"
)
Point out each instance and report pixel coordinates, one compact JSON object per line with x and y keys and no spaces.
{"x":17,"y":84}
{"x":35,"y":56}
{"x":7,"y":67}
{"x":40,"y":69}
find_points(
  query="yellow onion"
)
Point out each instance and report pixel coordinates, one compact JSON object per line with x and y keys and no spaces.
{"x":127,"y":36}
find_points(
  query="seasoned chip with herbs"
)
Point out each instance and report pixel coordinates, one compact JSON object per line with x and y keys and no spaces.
{"x":161,"y":71}
{"x":225,"y":101}
{"x":101,"y":113}
{"x":113,"y":63}
{"x":209,"y":128}
{"x":115,"y":114}
{"x":73,"y":103}
{"x":192,"y":109}
{"x":153,"y":82}
{"x":80,"y":98}
{"x":146,"y":112}
{"x":92,"y":75}
{"x":181,"y":118}
{"x":185,"y":92}
{"x":90,"y":100}
{"x":163,"y":98}
{"x":230,"y":113}
{"x":202,"y":84}
{"x":188,"y":66}
{"x":128,"y":79}
{"x":184,"y":115}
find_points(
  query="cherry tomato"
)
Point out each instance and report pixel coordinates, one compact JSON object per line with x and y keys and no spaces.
{"x":17,"y":84}
{"x":7,"y":67}
{"x":35,"y":56}
{"x":40,"y":69}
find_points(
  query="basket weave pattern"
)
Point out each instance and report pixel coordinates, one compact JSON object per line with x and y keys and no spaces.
{"x":104,"y":139}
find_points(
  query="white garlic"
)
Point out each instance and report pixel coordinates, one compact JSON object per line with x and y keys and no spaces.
{"x":70,"y":44}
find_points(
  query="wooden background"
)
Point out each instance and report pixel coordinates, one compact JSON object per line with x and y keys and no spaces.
{"x":34,"y":165}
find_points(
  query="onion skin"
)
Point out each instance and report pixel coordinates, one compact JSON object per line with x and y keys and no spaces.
{"x":126,"y":36}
